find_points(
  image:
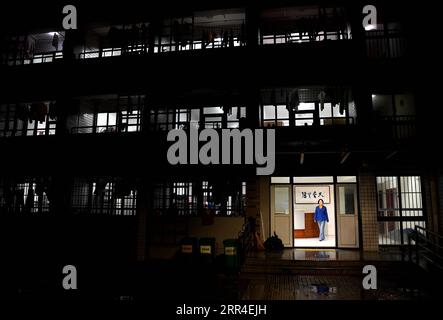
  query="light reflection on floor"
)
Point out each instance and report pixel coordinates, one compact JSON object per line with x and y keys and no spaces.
{"x":314,"y":242}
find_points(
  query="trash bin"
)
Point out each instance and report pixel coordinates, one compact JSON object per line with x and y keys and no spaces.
{"x":189,"y":250}
{"x":231,"y":254}
{"x":207,"y":250}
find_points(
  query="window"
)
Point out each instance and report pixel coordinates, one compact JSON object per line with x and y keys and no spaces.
{"x":279,"y":179}
{"x":28,"y":196}
{"x":400,"y":207}
{"x":130,"y":121}
{"x":307,"y":106}
{"x":34,"y":48}
{"x":347,"y":179}
{"x":106,"y":122}
{"x":206,"y":117}
{"x":104,"y":196}
{"x":175,"y":199}
{"x":275,"y":116}
{"x":281,"y":195}
{"x":194,"y":198}
{"x":111,"y":113}
{"x":393,"y":105}
{"x":314,"y":179}
{"x":30,"y":119}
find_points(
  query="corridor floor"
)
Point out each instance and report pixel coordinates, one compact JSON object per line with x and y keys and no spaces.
{"x":322,"y":287}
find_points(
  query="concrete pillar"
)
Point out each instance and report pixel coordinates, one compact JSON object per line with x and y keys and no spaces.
{"x":368,"y":211}
{"x":143,"y":209}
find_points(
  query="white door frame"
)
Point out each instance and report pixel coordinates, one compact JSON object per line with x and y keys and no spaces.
{"x":282,"y":223}
{"x":347,"y":221}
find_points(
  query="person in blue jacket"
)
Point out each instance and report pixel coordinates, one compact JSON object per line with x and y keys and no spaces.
{"x":321,"y":217}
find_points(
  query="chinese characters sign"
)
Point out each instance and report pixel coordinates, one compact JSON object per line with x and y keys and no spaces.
{"x":311,"y":194}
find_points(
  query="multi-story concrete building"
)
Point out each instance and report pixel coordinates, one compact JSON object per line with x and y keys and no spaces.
{"x":84,"y":116}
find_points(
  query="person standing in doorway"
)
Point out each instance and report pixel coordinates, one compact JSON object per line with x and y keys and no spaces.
{"x":321,"y":217}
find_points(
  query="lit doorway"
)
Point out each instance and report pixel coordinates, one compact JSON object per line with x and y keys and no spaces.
{"x":306,"y":230}
{"x":293,"y":202}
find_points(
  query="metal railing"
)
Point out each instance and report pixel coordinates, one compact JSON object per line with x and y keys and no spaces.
{"x":382,"y":44}
{"x":106,"y":128}
{"x":299,"y":37}
{"x":428,"y":247}
{"x":43,"y":57}
{"x":401,"y":127}
{"x":309,"y":121}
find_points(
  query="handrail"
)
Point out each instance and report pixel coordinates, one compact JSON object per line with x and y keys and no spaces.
{"x":429,"y":243}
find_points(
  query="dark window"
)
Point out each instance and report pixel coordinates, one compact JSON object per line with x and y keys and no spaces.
{"x":195,"y":198}
{"x":28,"y":119}
{"x":25,"y":196}
{"x":206,"y":117}
{"x":105,"y":196}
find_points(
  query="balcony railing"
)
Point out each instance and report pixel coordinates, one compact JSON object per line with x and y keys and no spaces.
{"x":298,"y":37}
{"x":400,"y":128}
{"x":379,"y":45}
{"x":309,"y":121}
{"x":385,"y":44}
{"x":45,"y":57}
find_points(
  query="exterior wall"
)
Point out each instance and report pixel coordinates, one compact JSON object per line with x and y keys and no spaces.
{"x":258,"y":200}
{"x":368,"y":211}
{"x":142,"y":221}
{"x":222,"y":229}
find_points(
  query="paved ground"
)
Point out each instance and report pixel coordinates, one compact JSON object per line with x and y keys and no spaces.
{"x":323,"y":287}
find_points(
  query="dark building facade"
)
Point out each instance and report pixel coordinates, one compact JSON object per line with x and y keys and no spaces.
{"x":84,"y":116}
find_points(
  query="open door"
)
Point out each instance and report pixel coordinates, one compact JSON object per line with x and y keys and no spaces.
{"x":281,"y":213}
{"x":347,"y":216}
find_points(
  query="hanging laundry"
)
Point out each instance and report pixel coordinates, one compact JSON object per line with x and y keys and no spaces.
{"x":100,"y":187}
{"x":39,"y":187}
{"x":212,"y":36}
{"x":29,"y":204}
{"x":144,"y":37}
{"x":288,"y":105}
{"x":29,"y":47}
{"x":39,"y":111}
{"x":273,"y":98}
{"x":243,"y":34}
{"x":8,"y":196}
{"x":113,"y":37}
{"x":123,"y":188}
{"x":52,"y":110}
{"x":321,"y":98}
{"x":225,"y":38}
{"x":134,"y":35}
{"x":22,"y":112}
{"x":344,"y":100}
{"x":55,"y":41}
{"x":130,"y":105}
{"x":334,"y":96}
{"x":294,"y":101}
{"x":19,"y":199}
{"x":231,"y":38}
